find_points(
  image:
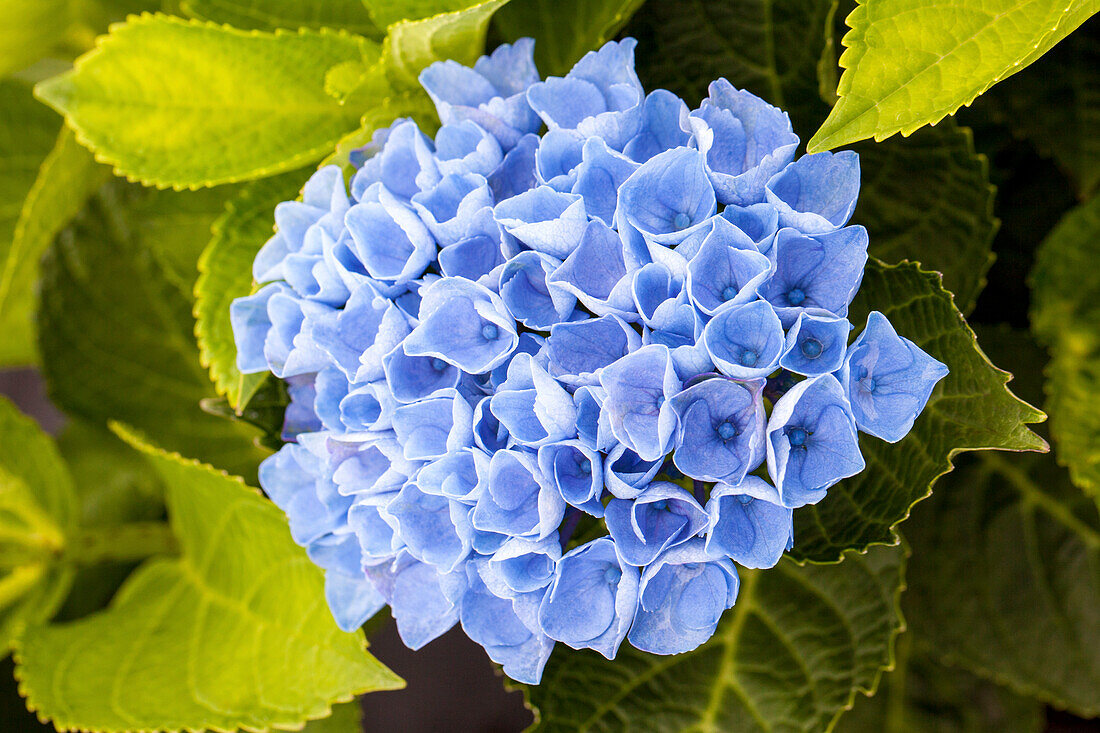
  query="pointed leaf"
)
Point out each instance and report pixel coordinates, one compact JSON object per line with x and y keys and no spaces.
{"x":971,"y":409}
{"x":116,"y":332}
{"x":27,"y":130}
{"x":911,"y":64}
{"x":29,"y":29}
{"x":791,"y":655}
{"x":566,"y":29}
{"x":191,"y":124}
{"x":1065,"y":315}
{"x":234,"y":633}
{"x":225,"y":273}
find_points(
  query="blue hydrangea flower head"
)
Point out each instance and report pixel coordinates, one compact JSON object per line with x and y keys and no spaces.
{"x":629,"y":327}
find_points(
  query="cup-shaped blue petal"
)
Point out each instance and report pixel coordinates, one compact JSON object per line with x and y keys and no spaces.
{"x":661,"y":128}
{"x":591,"y":602}
{"x":812,"y":441}
{"x":435,"y":529}
{"x":888,"y":379}
{"x":451,"y":207}
{"x":669,"y":196}
{"x":626,"y":474}
{"x":821,"y":272}
{"x":599,"y":176}
{"x":748,"y":523}
{"x":639,"y":386}
{"x":595,"y":273}
{"x":557,"y":157}
{"x":759,"y":222}
{"x":726,"y":269}
{"x":392,"y":242}
{"x":516,"y":500}
{"x":721,"y":429}
{"x":545,"y":220}
{"x":816,"y":193}
{"x":576,"y":471}
{"x":662,"y":516}
{"x":579,"y":350}
{"x":682,"y":597}
{"x":465,"y":147}
{"x":413,"y":378}
{"x":352,"y":599}
{"x":816,"y":344}
{"x":745,"y":341}
{"x":528,"y":296}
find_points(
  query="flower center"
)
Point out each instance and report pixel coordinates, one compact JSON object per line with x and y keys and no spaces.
{"x":726,"y":430}
{"x":749,"y":358}
{"x":811,"y":348}
{"x":867,"y":384}
{"x":729,"y":293}
{"x":797,"y":437}
{"x":489,"y":331}
{"x":681,"y":221}
{"x":659,"y":401}
{"x":584,"y":466}
{"x":612,"y":575}
{"x":744,"y":499}
{"x":795,"y":296}
{"x":438,"y":364}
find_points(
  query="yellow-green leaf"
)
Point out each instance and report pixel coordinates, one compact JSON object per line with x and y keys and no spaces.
{"x":910,"y":63}
{"x":186,"y":104}
{"x":234,"y":633}
{"x":267,"y":15}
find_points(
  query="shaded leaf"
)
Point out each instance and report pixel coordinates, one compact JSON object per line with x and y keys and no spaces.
{"x":922,"y":695}
{"x":793,"y":652}
{"x":1065,"y":315}
{"x":928,"y":199}
{"x":29,"y":29}
{"x":116,"y":333}
{"x":234,"y":633}
{"x":971,"y":409}
{"x":226,"y":273}
{"x":770,"y":47}
{"x":1006,"y":578}
{"x":27,"y":131}
{"x":908,"y":64}
{"x":191,"y":124}
{"x":37,"y":511}
{"x":565,"y":30}
{"x":387,"y":12}
{"x":269,"y":15}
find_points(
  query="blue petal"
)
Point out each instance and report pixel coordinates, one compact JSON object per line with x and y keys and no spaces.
{"x":525,"y":565}
{"x":748,"y":523}
{"x":822,"y":272}
{"x":726,"y":269}
{"x":580,"y":349}
{"x":811,"y":441}
{"x":669,"y":196}
{"x":413,"y":378}
{"x":352,"y":600}
{"x":626,"y":474}
{"x":683,"y":595}
{"x":662,"y":516}
{"x":452,"y":207}
{"x":524,"y":290}
{"x":888,"y":380}
{"x":660,"y":128}
{"x":598,"y":178}
{"x":545,"y":220}
{"x":515,"y":501}
{"x":422,"y":610}
{"x":595,"y":273}
{"x":759,"y":222}
{"x":435,"y":529}
{"x":250,"y":322}
{"x":745,"y":341}
{"x":817,"y":193}
{"x":576,"y":471}
{"x":816,"y":344}
{"x":638,"y":386}
{"x":464,"y":147}
{"x":390,"y":240}
{"x":721,"y":433}
{"x":516,"y":173}
{"x":556,"y":160}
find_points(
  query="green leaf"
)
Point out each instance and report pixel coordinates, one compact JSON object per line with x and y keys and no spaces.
{"x":971,"y":409}
{"x":908,"y":65}
{"x":116,"y":332}
{"x":1065,"y":315}
{"x":189,"y":123}
{"x":29,"y":29}
{"x":225,"y":273}
{"x":234,"y":633}
{"x":770,"y":47}
{"x":269,"y":15}
{"x":346,"y":718}
{"x":791,"y":655}
{"x":27,"y":130}
{"x":928,"y":199}
{"x":412,"y":45}
{"x":922,"y":695}
{"x":37,"y":511}
{"x":565,"y":30}
{"x":1056,"y":105}
{"x":1005,"y":578}
{"x":387,"y":12}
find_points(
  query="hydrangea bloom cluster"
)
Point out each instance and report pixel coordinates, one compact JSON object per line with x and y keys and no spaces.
{"x":634,"y":321}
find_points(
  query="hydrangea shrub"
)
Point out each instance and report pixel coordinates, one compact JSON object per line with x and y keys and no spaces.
{"x":558,"y":372}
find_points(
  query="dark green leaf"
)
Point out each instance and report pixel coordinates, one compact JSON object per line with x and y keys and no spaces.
{"x":922,"y":695}
{"x":116,"y":332}
{"x":1065,"y":316}
{"x":564,"y":30}
{"x":971,"y":409}
{"x":790,"y":656}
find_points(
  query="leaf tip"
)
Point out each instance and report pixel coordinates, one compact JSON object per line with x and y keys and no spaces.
{"x":57,"y":91}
